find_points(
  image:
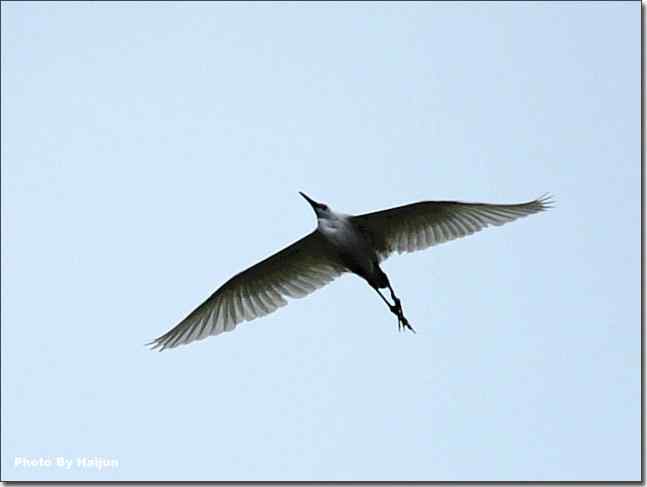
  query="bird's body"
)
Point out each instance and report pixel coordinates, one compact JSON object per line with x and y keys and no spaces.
{"x":341,"y":243}
{"x":350,"y":245}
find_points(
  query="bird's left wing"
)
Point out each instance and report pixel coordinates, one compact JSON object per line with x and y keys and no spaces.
{"x":294,"y":272}
{"x":420,"y":225}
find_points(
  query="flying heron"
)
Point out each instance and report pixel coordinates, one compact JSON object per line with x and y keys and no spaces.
{"x":340,"y":243}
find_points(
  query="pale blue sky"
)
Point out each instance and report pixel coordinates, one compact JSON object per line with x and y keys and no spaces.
{"x":152,"y":150}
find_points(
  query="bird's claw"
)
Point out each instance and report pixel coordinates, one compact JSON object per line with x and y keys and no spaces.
{"x":403,"y":323}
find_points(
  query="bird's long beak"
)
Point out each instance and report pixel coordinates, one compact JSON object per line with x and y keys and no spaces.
{"x":312,"y":202}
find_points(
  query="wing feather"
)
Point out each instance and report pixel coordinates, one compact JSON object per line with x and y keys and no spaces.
{"x":294,"y":272}
{"x":421,"y":225}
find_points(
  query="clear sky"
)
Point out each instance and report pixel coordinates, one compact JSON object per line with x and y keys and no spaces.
{"x":152,"y":150}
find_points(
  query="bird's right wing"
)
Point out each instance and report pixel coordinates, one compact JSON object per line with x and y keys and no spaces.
{"x":294,"y":272}
{"x":420,"y":225}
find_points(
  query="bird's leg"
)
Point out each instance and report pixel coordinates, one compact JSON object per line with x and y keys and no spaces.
{"x":402,"y":321}
{"x":396,"y":309}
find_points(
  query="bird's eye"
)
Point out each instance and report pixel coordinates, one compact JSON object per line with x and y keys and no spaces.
{"x":324,"y":207}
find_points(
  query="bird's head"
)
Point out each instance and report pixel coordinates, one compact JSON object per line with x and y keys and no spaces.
{"x":321,"y":210}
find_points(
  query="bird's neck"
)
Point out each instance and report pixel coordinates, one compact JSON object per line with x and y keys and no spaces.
{"x":333,"y":222}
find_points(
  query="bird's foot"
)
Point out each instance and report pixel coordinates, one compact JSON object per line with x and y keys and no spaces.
{"x":403,"y":323}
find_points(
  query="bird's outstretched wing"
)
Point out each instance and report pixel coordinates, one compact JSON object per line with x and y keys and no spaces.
{"x":294,"y":272}
{"x":420,"y":225}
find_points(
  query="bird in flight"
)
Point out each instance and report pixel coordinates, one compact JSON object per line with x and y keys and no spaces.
{"x":340,"y":243}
